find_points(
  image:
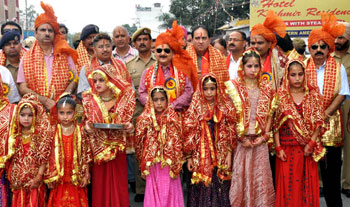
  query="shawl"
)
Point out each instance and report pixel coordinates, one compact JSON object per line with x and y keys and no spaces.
{"x":107,"y":143}
{"x":159,"y":138}
{"x":217,"y":64}
{"x":23,"y":166}
{"x":302,"y":127}
{"x":209,"y":152}
{"x":35,"y":73}
{"x":238,"y":94}
{"x":83,"y":57}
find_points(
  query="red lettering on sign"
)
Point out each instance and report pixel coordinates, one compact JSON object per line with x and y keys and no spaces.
{"x":273,"y":3}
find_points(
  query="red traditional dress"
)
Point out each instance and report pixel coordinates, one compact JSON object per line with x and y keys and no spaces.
{"x":253,"y":185}
{"x":83,"y":56}
{"x":212,"y":62}
{"x":209,"y":136}
{"x":27,"y":152}
{"x":297,"y":178}
{"x":6,"y":113}
{"x":68,"y":163}
{"x":159,"y":151}
{"x":109,"y":172}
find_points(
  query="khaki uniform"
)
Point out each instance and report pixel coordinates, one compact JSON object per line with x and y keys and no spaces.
{"x":13,"y":70}
{"x":136,"y":66}
{"x":345,"y":60}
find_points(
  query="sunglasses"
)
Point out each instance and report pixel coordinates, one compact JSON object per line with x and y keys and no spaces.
{"x":315,"y":47}
{"x":160,"y":50}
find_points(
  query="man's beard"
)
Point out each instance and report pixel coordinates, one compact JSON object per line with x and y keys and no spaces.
{"x":343,"y":46}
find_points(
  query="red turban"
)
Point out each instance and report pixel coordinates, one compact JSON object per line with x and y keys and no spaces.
{"x":60,"y":45}
{"x":182,"y":59}
{"x":272,"y":24}
{"x":329,"y":31}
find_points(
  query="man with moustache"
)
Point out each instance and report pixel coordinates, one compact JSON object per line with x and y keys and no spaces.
{"x":85,"y":48}
{"x":123,"y":51}
{"x":142,"y":41}
{"x":263,"y":39}
{"x":11,"y":52}
{"x":236,"y":45}
{"x":205,"y":57}
{"x":102,"y":45}
{"x":47,"y":69}
{"x":323,"y":71}
{"x":342,"y":55}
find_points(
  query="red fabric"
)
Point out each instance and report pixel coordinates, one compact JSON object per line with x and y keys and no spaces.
{"x":228,"y":60}
{"x":66,"y":194}
{"x":160,"y":81}
{"x":110,"y":183}
{"x":296,"y":179}
{"x":267,"y":63}
{"x":205,"y":63}
{"x":29,"y":198}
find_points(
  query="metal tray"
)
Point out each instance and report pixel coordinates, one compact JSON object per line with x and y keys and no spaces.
{"x":108,"y":126}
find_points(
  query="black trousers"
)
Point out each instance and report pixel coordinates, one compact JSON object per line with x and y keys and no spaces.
{"x":331,"y":171}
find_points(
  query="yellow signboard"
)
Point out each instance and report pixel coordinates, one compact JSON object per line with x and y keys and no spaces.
{"x":300,"y":16}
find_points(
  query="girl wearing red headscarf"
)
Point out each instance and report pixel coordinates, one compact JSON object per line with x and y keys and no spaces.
{"x":28,"y":150}
{"x":298,"y":120}
{"x":251,"y":96}
{"x":209,"y":139}
{"x":111,"y":100}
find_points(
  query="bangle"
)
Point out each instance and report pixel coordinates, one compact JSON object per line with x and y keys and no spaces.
{"x":311,"y":143}
{"x":278,"y":149}
{"x":266,"y":137}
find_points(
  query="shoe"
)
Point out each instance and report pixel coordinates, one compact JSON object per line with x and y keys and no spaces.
{"x":346,"y":192}
{"x":139,"y":198}
{"x":132,"y":187}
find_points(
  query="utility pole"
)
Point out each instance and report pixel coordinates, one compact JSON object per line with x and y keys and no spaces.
{"x":26,"y":15}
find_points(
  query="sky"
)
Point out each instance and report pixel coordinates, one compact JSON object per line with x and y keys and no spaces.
{"x":106,"y":14}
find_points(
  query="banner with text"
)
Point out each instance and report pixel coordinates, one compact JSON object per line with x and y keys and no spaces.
{"x":300,"y":16}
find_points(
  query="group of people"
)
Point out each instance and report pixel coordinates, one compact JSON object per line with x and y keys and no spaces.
{"x":248,"y":129}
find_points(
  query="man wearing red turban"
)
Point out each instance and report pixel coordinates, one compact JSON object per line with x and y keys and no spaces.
{"x":263,"y":39}
{"x":330,"y":76}
{"x":48,"y":68}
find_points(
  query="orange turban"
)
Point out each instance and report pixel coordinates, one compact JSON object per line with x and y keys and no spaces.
{"x":272,"y":24}
{"x":329,"y":31}
{"x":182,"y":59}
{"x":60,"y":44}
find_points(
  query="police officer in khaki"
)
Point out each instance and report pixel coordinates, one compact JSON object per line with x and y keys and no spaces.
{"x":142,"y":41}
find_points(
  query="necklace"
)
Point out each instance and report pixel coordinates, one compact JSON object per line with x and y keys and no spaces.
{"x":107,"y":99}
{"x":65,"y":129}
{"x":251,"y":84}
{"x":296,"y":90}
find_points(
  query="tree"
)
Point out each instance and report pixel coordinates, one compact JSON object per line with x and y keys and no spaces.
{"x":131,"y":29}
{"x":28,"y":16}
{"x":167,"y":20}
{"x":211,"y":13}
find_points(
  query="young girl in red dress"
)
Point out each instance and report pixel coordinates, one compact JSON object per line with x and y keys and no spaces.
{"x":297,"y":125}
{"x":159,"y":150}
{"x":28,"y":150}
{"x":68,"y":166}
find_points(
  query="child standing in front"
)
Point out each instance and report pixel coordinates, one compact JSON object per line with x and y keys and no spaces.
{"x":28,"y":150}
{"x":68,"y":177}
{"x":209,"y":139}
{"x":159,"y":151}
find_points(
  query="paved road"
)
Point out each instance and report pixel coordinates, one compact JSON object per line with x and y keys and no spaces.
{"x":346,"y":201}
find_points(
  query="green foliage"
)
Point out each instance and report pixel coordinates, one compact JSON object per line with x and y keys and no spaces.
{"x":212,"y":13}
{"x":131,"y":29}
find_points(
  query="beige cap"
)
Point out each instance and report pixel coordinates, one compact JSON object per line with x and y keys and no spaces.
{"x":141,"y":31}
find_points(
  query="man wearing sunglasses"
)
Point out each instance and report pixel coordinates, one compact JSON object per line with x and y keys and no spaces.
{"x":324,"y":71}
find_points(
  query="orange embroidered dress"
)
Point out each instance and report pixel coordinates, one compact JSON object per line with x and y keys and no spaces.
{"x":73,"y":155}
{"x":6,"y":113}
{"x":296,"y":123}
{"x":159,"y":151}
{"x":109,"y":172}
{"x":83,"y":56}
{"x":209,"y":135}
{"x":27,"y":152}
